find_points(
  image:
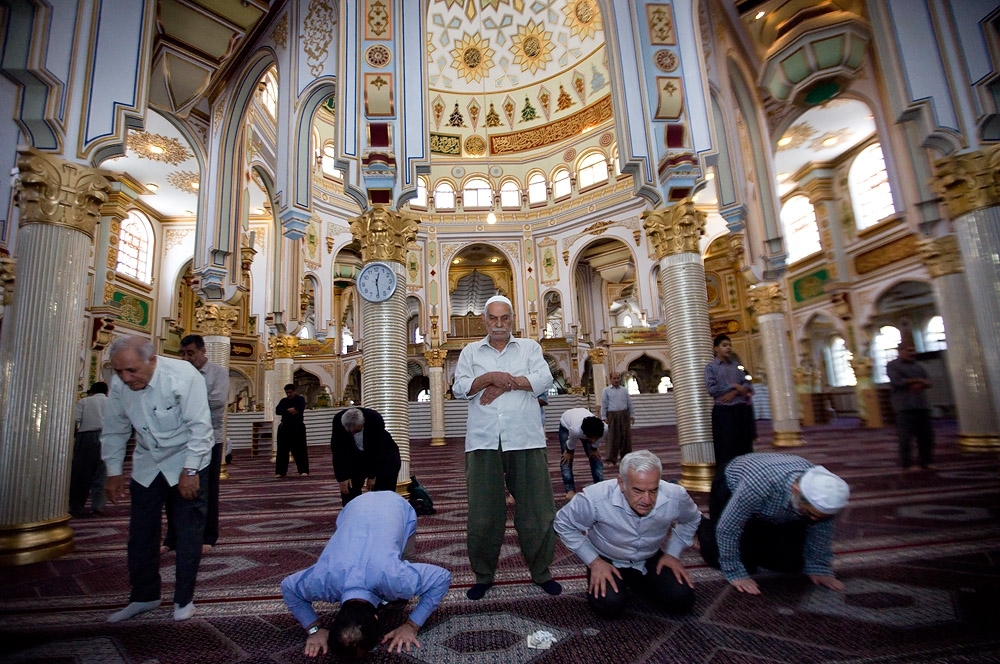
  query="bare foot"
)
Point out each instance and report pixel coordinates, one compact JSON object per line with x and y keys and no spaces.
{"x":205,"y":548}
{"x":510,"y":499}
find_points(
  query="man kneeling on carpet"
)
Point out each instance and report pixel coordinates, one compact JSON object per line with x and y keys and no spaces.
{"x":361,"y":567}
{"x":630,"y":533}
{"x":774,"y":511}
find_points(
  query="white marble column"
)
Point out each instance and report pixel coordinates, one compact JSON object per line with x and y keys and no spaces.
{"x":283,"y":346}
{"x":599,"y":371}
{"x":59,"y":206}
{"x":769,"y":302}
{"x":216,"y":322}
{"x":435,"y":367}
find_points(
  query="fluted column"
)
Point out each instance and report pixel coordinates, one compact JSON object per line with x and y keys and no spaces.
{"x":283,"y":346}
{"x":769,"y":302}
{"x":215,"y":323}
{"x":977,"y":416}
{"x":803,"y":377}
{"x":674,"y":233}
{"x":59,"y":206}
{"x":384,"y":235}
{"x":435,"y":363}
{"x":270,"y":397}
{"x":969,"y":183}
{"x":599,"y":370}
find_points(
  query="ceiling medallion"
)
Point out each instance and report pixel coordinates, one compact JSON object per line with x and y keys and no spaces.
{"x":796,"y":136}
{"x":378,"y":56}
{"x":569,"y":155}
{"x":475,"y":146}
{"x":607,"y":139}
{"x":665,"y":60}
{"x":583,"y":18}
{"x":532,"y":47}
{"x":186,"y":181}
{"x":457,"y":171}
{"x":496,"y":171}
{"x":156,"y":147}
{"x":473,"y":58}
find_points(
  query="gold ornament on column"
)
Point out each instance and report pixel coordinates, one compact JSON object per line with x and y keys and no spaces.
{"x":269,"y":359}
{"x":383,"y":234}
{"x":216,"y":319}
{"x":736,"y":251}
{"x":675,"y":230}
{"x":283,"y":346}
{"x":941,"y":255}
{"x":435,"y":357}
{"x":767,"y":299}
{"x":597,"y":355}
{"x":968,"y":182}
{"x":52,"y":191}
{"x":8,"y":267}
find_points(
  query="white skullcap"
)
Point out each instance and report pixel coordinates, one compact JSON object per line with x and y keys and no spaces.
{"x":824,"y":490}
{"x":498,"y":298}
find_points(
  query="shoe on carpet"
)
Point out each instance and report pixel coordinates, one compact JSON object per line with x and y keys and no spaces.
{"x":183,"y":612}
{"x":133,"y":609}
{"x":478,"y":590}
{"x":551,"y":586}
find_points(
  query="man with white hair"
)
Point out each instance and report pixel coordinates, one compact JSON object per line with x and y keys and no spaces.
{"x":502,"y":376}
{"x":774,"y":511}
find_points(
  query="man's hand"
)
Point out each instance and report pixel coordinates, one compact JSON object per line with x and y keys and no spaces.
{"x":317,"y":643}
{"x":676,"y":567}
{"x":831,"y":582}
{"x":602,"y":573}
{"x":490,"y":394}
{"x":188,"y":486}
{"x":292,"y":411}
{"x":748,"y":586}
{"x":728,"y":396}
{"x":567,"y":457}
{"x":404,"y":635}
{"x":115,"y":488}
{"x":369,"y":484}
{"x":345,"y":486}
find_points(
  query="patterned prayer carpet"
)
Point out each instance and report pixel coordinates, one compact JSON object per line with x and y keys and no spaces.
{"x":919,"y":553}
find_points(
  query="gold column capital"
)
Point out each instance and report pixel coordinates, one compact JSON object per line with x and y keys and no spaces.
{"x":675,"y":230}
{"x":283,"y":346}
{"x":767,"y":298}
{"x":969,"y":181}
{"x":736,"y":251}
{"x":597,"y":355}
{"x":51,"y":190}
{"x":941,"y":255}
{"x":435,"y":357}
{"x":8,"y":269}
{"x":819,"y":190}
{"x":383,"y":234}
{"x":269,"y":360}
{"x":862,"y":367}
{"x":216,"y":319}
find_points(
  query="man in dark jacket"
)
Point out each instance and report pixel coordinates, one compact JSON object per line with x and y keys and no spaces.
{"x":363,"y":451}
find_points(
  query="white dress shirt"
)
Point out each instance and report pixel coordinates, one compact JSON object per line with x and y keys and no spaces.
{"x":172,"y":422}
{"x":514,"y":417}
{"x":90,"y":412}
{"x":217,"y":384}
{"x":572,"y":421}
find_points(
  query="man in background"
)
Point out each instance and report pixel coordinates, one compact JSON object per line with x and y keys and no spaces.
{"x":291,"y":437}
{"x":364,"y":453}
{"x":88,"y":473}
{"x":619,"y":413}
{"x":579,"y":426}
{"x":909,"y":383}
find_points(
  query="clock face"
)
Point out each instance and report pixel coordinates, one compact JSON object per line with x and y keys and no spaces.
{"x":376,"y":282}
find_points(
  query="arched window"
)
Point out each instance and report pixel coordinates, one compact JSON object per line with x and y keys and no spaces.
{"x":423,"y":396}
{"x":798,"y":219}
{"x":420,"y":200}
{"x":536,"y":188}
{"x":444,"y":196}
{"x":327,"y":162}
{"x":883,"y":351}
{"x":934,"y":337}
{"x":615,"y":162}
{"x":627,"y":321}
{"x":510,"y":195}
{"x":561,"y":186}
{"x":838,"y":363}
{"x":135,"y":247}
{"x":346,"y":340}
{"x":268,"y":90}
{"x":593,"y":169}
{"x":869,"y":186}
{"x":417,"y":337}
{"x":632,"y":385}
{"x":665,"y":385}
{"x":477,"y":194}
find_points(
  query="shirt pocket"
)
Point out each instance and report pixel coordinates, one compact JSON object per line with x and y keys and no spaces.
{"x":166,"y":420}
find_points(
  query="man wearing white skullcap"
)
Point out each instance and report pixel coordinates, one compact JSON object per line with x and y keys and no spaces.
{"x":773,"y":511}
{"x":502,"y":376}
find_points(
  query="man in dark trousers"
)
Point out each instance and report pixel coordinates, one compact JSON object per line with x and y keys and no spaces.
{"x":363,"y":452}
{"x":291,"y":433}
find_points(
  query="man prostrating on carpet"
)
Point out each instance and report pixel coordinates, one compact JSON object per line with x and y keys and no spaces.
{"x":361,"y":567}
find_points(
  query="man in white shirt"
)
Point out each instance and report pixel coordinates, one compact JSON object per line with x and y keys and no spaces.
{"x":578,"y":425}
{"x":630,"y":533}
{"x":502,"y":376}
{"x":166,"y":402}
{"x":619,"y":413}
{"x":88,"y":473}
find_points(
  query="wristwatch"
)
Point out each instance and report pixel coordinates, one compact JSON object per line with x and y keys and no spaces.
{"x":190,"y":472}
{"x":312,"y":630}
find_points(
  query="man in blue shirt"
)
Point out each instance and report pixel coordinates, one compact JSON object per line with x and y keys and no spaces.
{"x":361,"y":567}
{"x":733,"y":427}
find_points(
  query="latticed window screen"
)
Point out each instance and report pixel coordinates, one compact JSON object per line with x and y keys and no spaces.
{"x":134,"y":248}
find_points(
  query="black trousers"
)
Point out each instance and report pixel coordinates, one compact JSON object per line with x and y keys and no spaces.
{"x":212,"y":496}
{"x":912,"y":424}
{"x":662,"y":589}
{"x":291,"y":439}
{"x":385,"y":480}
{"x":733,"y":431}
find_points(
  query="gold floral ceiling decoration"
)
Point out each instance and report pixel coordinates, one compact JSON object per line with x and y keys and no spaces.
{"x":184,"y":180}
{"x":532,"y":47}
{"x":583,"y":18}
{"x":473,"y":58}
{"x":796,"y":136}
{"x":157,"y":147}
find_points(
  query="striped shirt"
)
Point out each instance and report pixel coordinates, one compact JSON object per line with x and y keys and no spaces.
{"x":721,"y":376}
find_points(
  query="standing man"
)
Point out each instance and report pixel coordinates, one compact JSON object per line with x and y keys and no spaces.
{"x":630,"y":533}
{"x":363,"y":565}
{"x":733,"y":426}
{"x":775,"y":511}
{"x":291,"y":433}
{"x":619,"y":413}
{"x":909,"y":384}
{"x":501,"y":376}
{"x":578,"y":425}
{"x":165,"y":401}
{"x":88,"y":473}
{"x":217,"y":384}
{"x":363,"y":453}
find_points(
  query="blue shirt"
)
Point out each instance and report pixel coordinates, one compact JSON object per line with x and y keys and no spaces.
{"x":615,"y":399}
{"x":363,"y":561}
{"x":762,"y":487}
{"x":721,"y":376}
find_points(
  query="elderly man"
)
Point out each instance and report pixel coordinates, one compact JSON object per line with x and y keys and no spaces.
{"x":165,"y":401}
{"x":501,"y":376}
{"x":619,"y":413}
{"x":774,"y":511}
{"x":363,"y":452}
{"x":630,"y":533}
{"x":579,"y":426}
{"x":217,"y":384}
{"x":909,"y":383}
{"x":361,"y":567}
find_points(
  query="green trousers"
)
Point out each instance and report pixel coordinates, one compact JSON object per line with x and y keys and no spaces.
{"x":526,"y":475}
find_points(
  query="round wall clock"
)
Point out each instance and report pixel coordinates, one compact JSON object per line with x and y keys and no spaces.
{"x":376,"y":282}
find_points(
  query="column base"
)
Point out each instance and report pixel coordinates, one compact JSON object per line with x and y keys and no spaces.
{"x":788,"y":439}
{"x":26,"y":543}
{"x":978,"y":442}
{"x":697,"y":476}
{"x":437,"y":441}
{"x":224,"y":470}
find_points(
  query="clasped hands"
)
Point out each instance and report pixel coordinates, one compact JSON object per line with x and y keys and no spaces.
{"x":500,"y":382}
{"x":737,"y":390}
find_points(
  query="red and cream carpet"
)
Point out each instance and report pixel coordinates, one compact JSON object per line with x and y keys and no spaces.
{"x":919,"y":553}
